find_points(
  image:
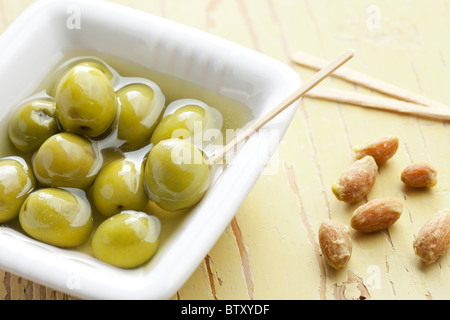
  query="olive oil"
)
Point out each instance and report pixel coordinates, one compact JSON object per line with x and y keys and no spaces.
{"x":235,"y":116}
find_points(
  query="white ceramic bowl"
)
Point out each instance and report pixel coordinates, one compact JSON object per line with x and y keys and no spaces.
{"x":37,"y":41}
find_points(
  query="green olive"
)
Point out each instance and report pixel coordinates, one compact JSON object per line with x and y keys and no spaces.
{"x":32,"y":124}
{"x":89,"y":63}
{"x":141,"y":108}
{"x":86,"y":101}
{"x":16,"y":182}
{"x":191,"y":120}
{"x":100,"y":66}
{"x":66,"y":160}
{"x":119,"y":186}
{"x":126,"y":240}
{"x":181,"y":124}
{"x":57,"y":217}
{"x":176,"y":175}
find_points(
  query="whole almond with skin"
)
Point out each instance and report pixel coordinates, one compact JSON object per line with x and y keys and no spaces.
{"x":376,"y":215}
{"x":335,"y":243}
{"x":381,"y":149}
{"x":419,"y":175}
{"x":434,"y":238}
{"x":356,"y":181}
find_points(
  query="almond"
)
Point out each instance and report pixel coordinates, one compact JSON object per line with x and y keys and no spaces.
{"x":381,"y":149}
{"x":356,"y":181}
{"x":434,"y":238}
{"x":335,"y":242}
{"x":419,"y":175}
{"x":376,"y":215}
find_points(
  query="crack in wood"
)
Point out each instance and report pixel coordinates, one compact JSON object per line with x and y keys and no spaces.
{"x":208,"y":263}
{"x":352,"y":289}
{"x":244,"y":258}
{"x":290,"y":172}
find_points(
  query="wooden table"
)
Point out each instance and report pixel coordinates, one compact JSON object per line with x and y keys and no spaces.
{"x":270,"y":249}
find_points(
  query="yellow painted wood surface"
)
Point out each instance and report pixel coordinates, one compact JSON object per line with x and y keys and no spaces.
{"x":270,"y":250}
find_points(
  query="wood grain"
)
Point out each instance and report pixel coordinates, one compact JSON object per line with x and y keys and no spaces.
{"x":270,"y":250}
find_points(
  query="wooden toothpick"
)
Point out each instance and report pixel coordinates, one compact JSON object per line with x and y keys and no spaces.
{"x":304,"y":88}
{"x":380,"y":103}
{"x":306,"y":60}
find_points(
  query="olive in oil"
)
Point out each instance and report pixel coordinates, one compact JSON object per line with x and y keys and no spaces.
{"x":235,"y":116}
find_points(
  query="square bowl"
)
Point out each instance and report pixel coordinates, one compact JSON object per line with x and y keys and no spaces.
{"x":40,"y":39}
